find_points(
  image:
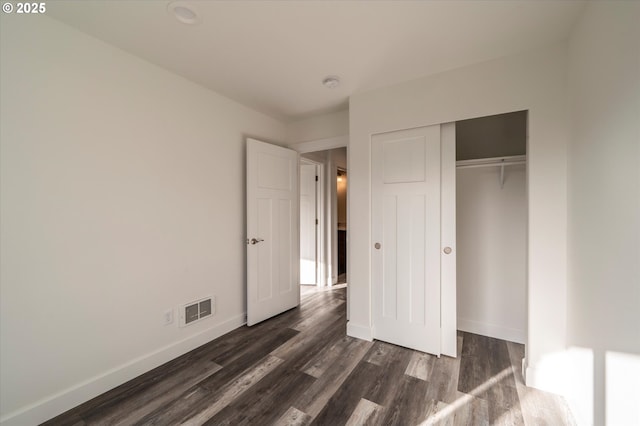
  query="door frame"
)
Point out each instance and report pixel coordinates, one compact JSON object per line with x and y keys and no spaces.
{"x":327,"y":180}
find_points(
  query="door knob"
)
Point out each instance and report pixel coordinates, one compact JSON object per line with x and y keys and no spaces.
{"x":447,"y":250}
{"x":377,"y":246}
{"x":254,"y":241}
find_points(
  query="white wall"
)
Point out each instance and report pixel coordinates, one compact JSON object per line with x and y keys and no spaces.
{"x":323,"y":126}
{"x":491,"y":234}
{"x":339,"y":156}
{"x":122,"y":195}
{"x":604,"y":203}
{"x":534,"y":81}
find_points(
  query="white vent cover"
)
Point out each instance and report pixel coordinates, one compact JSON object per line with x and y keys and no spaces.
{"x":195,"y":311}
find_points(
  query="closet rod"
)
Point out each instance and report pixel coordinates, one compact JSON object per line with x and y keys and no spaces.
{"x":473,"y":166}
{"x":492,"y":162}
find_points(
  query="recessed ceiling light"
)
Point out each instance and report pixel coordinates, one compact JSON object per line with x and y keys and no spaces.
{"x":331,"y":81}
{"x":183,"y":12}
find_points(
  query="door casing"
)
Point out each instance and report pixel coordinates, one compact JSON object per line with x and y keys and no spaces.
{"x":309,"y":223}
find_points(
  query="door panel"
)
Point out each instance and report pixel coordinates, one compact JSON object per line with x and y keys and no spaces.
{"x":406,"y":225}
{"x":286,"y":244}
{"x":274,"y":172}
{"x":418,"y":234}
{"x":403,"y":160}
{"x":272,"y":224}
{"x":389,"y":258}
{"x":264,"y":250}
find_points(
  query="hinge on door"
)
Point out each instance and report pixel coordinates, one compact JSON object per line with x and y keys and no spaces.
{"x":316,"y":221}
{"x":316,"y":178}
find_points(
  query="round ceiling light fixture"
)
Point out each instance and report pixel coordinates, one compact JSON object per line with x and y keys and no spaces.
{"x":183,"y":12}
{"x":331,"y":81}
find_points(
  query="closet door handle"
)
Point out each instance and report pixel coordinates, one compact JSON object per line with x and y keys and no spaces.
{"x":447,"y":250}
{"x":377,"y":246}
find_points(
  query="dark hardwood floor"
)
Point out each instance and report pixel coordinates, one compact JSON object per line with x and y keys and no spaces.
{"x":300,"y":368}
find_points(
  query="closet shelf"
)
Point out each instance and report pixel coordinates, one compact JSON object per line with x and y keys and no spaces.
{"x":493,"y":162}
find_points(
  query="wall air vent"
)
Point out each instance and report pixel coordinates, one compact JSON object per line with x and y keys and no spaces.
{"x":197,"y":310}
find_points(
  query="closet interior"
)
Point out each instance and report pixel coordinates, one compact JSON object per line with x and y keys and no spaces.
{"x":491,"y":225}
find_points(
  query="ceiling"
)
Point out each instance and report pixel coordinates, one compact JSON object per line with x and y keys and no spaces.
{"x":273,"y":55}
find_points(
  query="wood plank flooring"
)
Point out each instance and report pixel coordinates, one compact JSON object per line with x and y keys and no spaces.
{"x":300,"y":368}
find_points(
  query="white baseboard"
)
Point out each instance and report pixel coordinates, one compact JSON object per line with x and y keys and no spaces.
{"x":359,"y":331}
{"x":60,"y":402}
{"x":546,"y":378}
{"x":492,"y":330}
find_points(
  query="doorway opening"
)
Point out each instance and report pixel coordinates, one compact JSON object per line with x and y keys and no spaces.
{"x":323,"y":219}
{"x":491,"y":226}
{"x":341,"y":204}
{"x":311,"y":213}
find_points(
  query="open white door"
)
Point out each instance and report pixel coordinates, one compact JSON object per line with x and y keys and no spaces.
{"x":406,"y":192}
{"x":308,"y":224}
{"x":272,"y":230}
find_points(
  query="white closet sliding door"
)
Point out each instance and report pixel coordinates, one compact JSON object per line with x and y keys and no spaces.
{"x":407,"y":239}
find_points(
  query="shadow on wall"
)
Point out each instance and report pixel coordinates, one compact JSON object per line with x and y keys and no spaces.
{"x":596,"y":380}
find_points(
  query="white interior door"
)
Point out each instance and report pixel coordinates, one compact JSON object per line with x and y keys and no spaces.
{"x":272,"y":230}
{"x":406,"y":236}
{"x":308,"y":224}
